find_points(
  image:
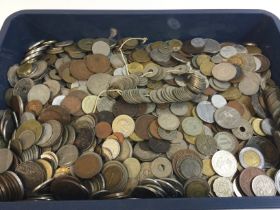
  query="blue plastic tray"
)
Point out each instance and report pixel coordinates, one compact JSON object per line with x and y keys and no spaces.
{"x":25,"y":27}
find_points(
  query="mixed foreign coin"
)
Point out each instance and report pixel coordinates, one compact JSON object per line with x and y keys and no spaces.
{"x":113,"y":119}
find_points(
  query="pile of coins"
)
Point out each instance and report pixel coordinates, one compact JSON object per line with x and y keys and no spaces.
{"x":112,"y":119}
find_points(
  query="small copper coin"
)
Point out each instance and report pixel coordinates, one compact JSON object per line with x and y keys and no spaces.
{"x":103,"y":130}
{"x":34,"y":106}
{"x":88,"y":165}
{"x":153,"y":129}
{"x":72,"y":104}
{"x":79,"y":70}
{"x":142,"y":124}
{"x":236,"y":105}
{"x":246,"y":177}
{"x":97,"y":63}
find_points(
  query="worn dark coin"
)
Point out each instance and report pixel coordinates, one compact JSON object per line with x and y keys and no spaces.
{"x":159,"y":146}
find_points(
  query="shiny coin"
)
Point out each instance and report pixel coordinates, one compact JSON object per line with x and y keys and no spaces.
{"x":263,"y":185}
{"x":88,"y":104}
{"x":113,"y":146}
{"x":223,"y":187}
{"x":224,"y":163}
{"x":251,"y":157}
{"x":218,"y":101}
{"x":228,"y":51}
{"x":205,"y":111}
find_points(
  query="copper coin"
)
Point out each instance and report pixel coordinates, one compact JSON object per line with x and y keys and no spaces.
{"x":153,"y":129}
{"x":79,"y":70}
{"x":103,"y":130}
{"x":236,"y":105}
{"x":88,"y":165}
{"x":72,"y":104}
{"x":34,"y":106}
{"x":97,"y":63}
{"x":246,"y":177}
{"x":55,"y":113}
{"x":142,"y":124}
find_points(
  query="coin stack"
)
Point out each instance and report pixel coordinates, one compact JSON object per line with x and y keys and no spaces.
{"x":113,"y":119}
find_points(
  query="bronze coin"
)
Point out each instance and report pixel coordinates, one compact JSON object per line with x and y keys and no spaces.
{"x":31,"y":174}
{"x":72,"y":104}
{"x":159,"y":146}
{"x":78,"y":93}
{"x":79,"y":70}
{"x":97,"y":63}
{"x":103,"y":130}
{"x":68,"y":188}
{"x":153,"y":129}
{"x":142,"y":108}
{"x":236,"y":105}
{"x":105,"y":116}
{"x":88,"y":165}
{"x":246,"y":177}
{"x":84,"y":138}
{"x":34,"y":106}
{"x":142,"y":124}
{"x":55,"y":113}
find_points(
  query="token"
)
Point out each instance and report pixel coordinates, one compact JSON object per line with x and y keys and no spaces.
{"x":168,"y":121}
{"x":88,"y":165}
{"x":224,"y":163}
{"x":123,"y":124}
{"x":251,"y":157}
{"x":39,"y":92}
{"x":161,"y":167}
{"x":133,"y":167}
{"x":227,"y":117}
{"x":192,"y":126}
{"x":224,"y":72}
{"x":223,"y":187}
{"x":218,"y":101}
{"x":263,"y":185}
